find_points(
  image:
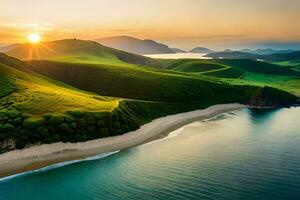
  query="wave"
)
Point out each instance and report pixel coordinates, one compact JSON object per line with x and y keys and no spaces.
{"x":58,"y":165}
{"x":168,"y":137}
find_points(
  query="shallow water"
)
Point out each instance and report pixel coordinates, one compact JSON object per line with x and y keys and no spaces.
{"x":239,"y":155}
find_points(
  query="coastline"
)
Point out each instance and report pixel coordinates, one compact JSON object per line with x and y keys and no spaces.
{"x":19,"y":161}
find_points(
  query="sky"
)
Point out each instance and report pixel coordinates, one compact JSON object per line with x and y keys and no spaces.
{"x":179,"y":23}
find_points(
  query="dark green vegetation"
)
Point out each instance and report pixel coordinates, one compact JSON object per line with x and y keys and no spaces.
{"x":77,"y":90}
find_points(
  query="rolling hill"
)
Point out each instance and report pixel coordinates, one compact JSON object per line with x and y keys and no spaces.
{"x":80,"y":90}
{"x":241,"y":71}
{"x":134,"y":45}
{"x":73,"y":50}
{"x":244,"y":65}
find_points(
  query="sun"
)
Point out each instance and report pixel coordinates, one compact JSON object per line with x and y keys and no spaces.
{"x":34,"y":38}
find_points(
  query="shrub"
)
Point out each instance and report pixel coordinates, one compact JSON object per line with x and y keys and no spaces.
{"x":104,"y":131}
{"x":56,"y":120}
{"x":33,"y":123}
{"x":65,"y":127}
{"x":77,"y":113}
{"x":69,"y":119}
{"x":17,"y":121}
{"x":73,"y":125}
{"x":6,"y":128}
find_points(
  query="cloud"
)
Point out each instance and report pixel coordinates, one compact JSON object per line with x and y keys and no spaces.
{"x":27,"y":26}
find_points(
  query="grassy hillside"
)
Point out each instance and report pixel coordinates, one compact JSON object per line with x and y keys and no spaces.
{"x":131,"y":82}
{"x":258,"y":67}
{"x":193,"y":65}
{"x":35,"y":109}
{"x":35,"y":95}
{"x":287,"y":83}
{"x":241,"y":72}
{"x":73,"y":50}
{"x":82,"y":91}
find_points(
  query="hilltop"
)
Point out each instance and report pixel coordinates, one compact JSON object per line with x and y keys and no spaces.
{"x":74,"y":50}
{"x":134,"y":45}
{"x":201,"y":50}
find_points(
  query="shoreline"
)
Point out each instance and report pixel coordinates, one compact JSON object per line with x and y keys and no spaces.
{"x":37,"y":157}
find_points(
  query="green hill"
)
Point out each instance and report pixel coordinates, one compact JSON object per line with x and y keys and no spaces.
{"x":73,"y":50}
{"x":85,"y":91}
{"x":258,"y":67}
{"x":191,"y":65}
{"x":131,"y":82}
{"x":35,"y":109}
{"x":221,"y":65}
{"x":241,"y":72}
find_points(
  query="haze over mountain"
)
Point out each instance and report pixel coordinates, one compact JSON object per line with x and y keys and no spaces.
{"x":201,"y":50}
{"x":135,"y":45}
{"x":176,"y":50}
{"x":7,"y":47}
{"x":266,"y":51}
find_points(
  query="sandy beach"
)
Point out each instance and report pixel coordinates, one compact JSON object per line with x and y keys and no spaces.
{"x":36,"y":157}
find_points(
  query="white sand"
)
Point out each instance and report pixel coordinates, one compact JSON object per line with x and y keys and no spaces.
{"x":40,"y":156}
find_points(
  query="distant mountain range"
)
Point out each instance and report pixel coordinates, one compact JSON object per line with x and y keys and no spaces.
{"x":266,"y":51}
{"x":276,"y":57}
{"x":143,"y":47}
{"x":137,"y":46}
{"x":201,"y":50}
{"x":176,"y":50}
{"x":7,"y":47}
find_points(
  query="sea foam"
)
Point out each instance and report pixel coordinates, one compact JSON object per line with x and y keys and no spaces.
{"x":58,"y":165}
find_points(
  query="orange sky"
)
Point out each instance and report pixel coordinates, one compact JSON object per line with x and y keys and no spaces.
{"x":173,"y":21}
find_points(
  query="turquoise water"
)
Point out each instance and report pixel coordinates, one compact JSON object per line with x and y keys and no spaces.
{"x":240,"y":155}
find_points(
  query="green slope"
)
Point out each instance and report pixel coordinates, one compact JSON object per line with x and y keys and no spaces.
{"x":73,"y":50}
{"x":242,"y":72}
{"x":192,"y":65}
{"x":35,"y":109}
{"x":131,"y":82}
{"x":241,"y":65}
{"x":258,"y":67}
{"x":82,"y":90}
